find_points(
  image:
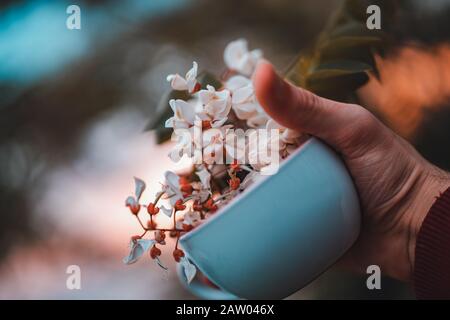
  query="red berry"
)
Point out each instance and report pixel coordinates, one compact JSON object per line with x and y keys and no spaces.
{"x":206,"y":124}
{"x":197,"y":87}
{"x":234,"y":183}
{"x":197,"y":206}
{"x":183,"y":180}
{"x":186,"y":189}
{"x":152,"y":209}
{"x":235,"y":166}
{"x":187,"y":227}
{"x":134,"y":208}
{"x":173,"y":233}
{"x":210,"y":205}
{"x":160,"y":236}
{"x":179,"y":206}
{"x":178,"y":254}
{"x":155,"y":252}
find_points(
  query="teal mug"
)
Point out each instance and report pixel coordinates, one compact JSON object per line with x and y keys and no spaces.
{"x":282,"y":232}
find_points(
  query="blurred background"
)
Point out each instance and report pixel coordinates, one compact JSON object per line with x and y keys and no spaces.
{"x":74,"y":103}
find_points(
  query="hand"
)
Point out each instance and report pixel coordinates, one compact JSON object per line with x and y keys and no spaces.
{"x":396,"y":185}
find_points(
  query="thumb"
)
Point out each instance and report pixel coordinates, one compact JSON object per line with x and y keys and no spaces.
{"x":336,"y":123}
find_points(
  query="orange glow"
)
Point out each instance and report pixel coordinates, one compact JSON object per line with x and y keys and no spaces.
{"x":413,"y":79}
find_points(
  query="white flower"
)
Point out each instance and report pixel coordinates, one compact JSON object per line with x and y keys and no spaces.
{"x":200,"y":193}
{"x":139,"y":187}
{"x":216,"y":105}
{"x":263,"y":149}
{"x":172,"y":187}
{"x":191,"y":217}
{"x":236,"y":82}
{"x":259,"y":120}
{"x":214,"y":142}
{"x":137,"y":249}
{"x":188,"y":83}
{"x":167,"y":211}
{"x":189,"y":269}
{"x":202,"y":189}
{"x":133,"y":202}
{"x":205,"y":177}
{"x":287,"y":136}
{"x":184,"y":144}
{"x":179,"y":225}
{"x":244,"y":103}
{"x":238,"y":58}
{"x":183,"y":114}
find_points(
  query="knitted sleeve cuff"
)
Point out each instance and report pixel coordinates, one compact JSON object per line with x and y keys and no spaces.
{"x":432,"y":257}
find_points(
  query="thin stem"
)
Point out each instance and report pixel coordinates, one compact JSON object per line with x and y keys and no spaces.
{"x":145,"y":232}
{"x":140,"y":222}
{"x":168,"y":230}
{"x":174,"y":219}
{"x":178,"y":239}
{"x":159,"y":197}
{"x":222,"y":197}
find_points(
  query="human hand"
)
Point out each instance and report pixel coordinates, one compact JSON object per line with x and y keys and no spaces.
{"x":396,"y":185}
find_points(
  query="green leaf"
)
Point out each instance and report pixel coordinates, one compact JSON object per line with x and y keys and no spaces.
{"x":357,"y":9}
{"x":354,"y":28}
{"x":342,"y":66}
{"x":355,"y":48}
{"x":338,"y":79}
{"x":296,"y":73}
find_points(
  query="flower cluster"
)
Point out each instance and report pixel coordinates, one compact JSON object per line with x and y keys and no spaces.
{"x":193,"y":197}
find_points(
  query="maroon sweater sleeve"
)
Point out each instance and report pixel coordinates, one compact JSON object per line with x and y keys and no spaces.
{"x":432,"y":259}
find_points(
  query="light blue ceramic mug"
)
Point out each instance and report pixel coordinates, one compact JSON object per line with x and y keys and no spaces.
{"x":282,"y":232}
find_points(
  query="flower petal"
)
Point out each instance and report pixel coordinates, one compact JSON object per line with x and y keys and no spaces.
{"x":139,"y":187}
{"x":205,"y":178}
{"x":189,"y":269}
{"x":177,"y":82}
{"x":238,"y":58}
{"x":218,"y":123}
{"x":191,"y":217}
{"x":245,"y":111}
{"x":185,"y":111}
{"x":234,"y":52}
{"x":137,"y":249}
{"x":236,"y":82}
{"x":130,"y":201}
{"x":192,"y":73}
{"x":243,"y":94}
{"x":272,"y":124}
{"x":167,"y":211}
{"x":205,"y":96}
{"x":258,"y":120}
{"x":172,"y":180}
